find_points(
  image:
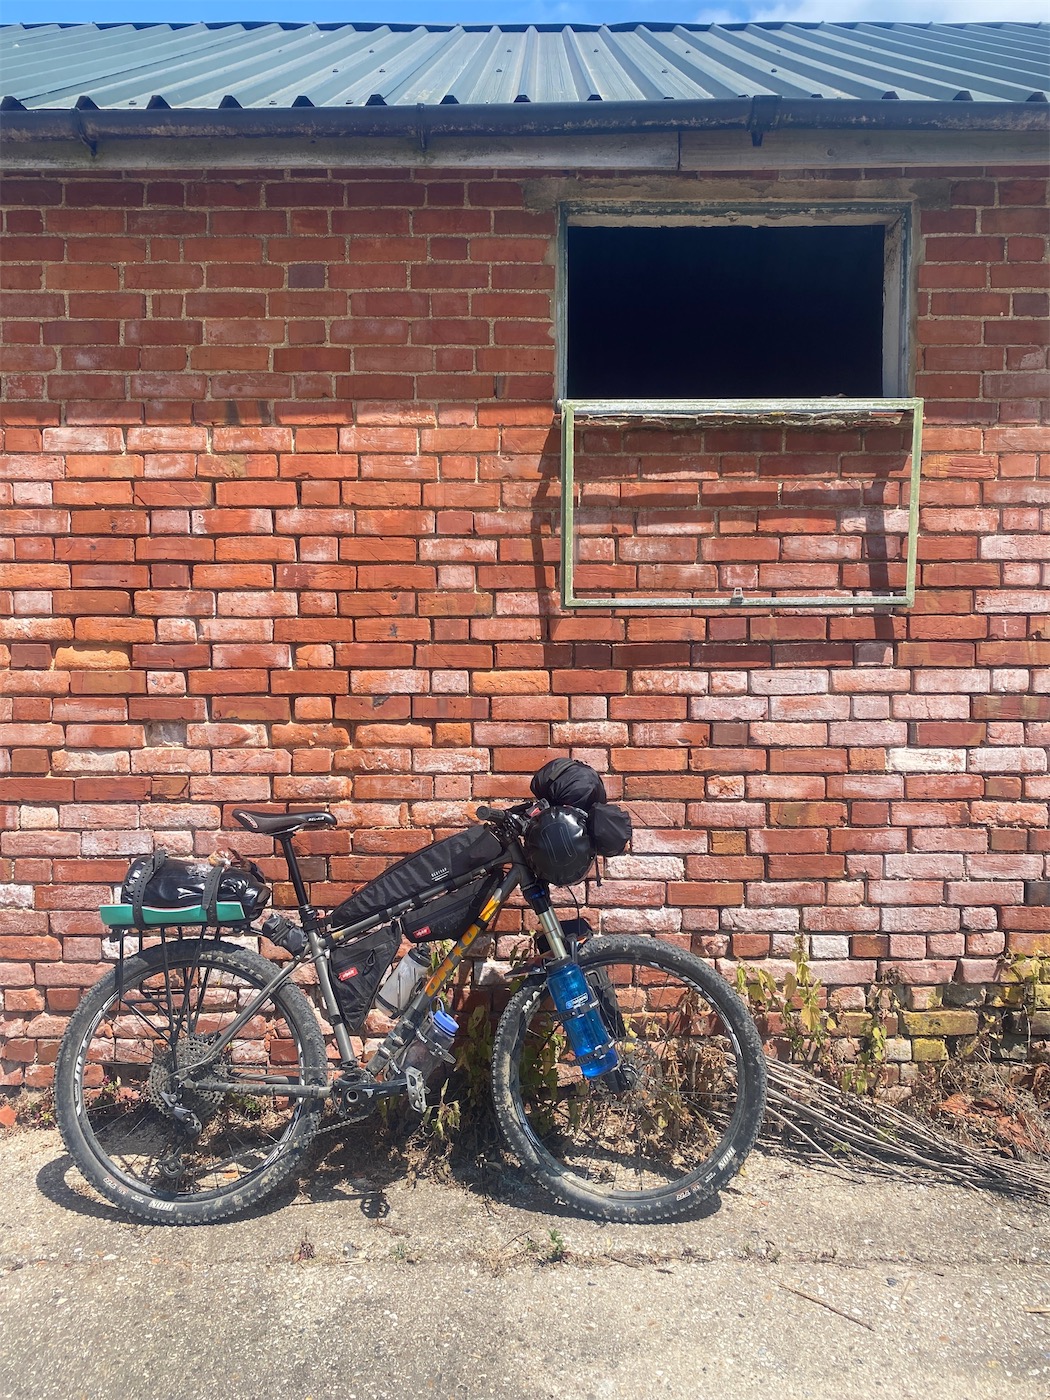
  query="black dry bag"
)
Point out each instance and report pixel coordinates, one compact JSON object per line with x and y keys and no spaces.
{"x":610,"y":829}
{"x":191,"y":891}
{"x":564,"y":782}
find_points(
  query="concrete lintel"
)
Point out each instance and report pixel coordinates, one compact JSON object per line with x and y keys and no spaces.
{"x":722,"y":150}
{"x":650,"y":151}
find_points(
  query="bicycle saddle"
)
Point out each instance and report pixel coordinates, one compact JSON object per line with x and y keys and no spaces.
{"x":283,"y":825}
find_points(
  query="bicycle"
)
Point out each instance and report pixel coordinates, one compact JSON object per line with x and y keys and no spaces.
{"x":193,"y":1076}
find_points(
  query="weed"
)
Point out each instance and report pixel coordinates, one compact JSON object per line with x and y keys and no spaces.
{"x":553,"y":1249}
{"x":443,"y":1118}
{"x":474,"y":1057}
{"x":865,"y":1073}
{"x":807,"y":1024}
{"x":36,"y":1110}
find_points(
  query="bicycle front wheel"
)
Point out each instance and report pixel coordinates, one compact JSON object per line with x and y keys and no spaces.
{"x":219,"y":1142}
{"x":653,"y":1139}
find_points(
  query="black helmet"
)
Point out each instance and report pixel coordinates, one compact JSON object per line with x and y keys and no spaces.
{"x":559,"y":846}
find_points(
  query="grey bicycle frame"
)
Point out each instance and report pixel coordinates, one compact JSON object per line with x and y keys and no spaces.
{"x":411,"y":1019}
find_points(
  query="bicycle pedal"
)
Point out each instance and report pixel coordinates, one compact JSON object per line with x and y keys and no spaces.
{"x":417,"y":1089}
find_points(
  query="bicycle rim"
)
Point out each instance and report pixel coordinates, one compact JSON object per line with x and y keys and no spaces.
{"x":168,"y":1013}
{"x":677,"y":1119}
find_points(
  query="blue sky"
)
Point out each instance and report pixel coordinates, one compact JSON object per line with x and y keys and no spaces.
{"x":516,"y":11}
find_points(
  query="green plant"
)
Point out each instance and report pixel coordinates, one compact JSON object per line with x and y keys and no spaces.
{"x":798,"y":1006}
{"x":552,"y":1251}
{"x":443,"y":1118}
{"x":864,"y":1074}
{"x":538,"y":1073}
{"x":474,"y":1057}
{"x":556,"y":1249}
{"x":36,"y":1110}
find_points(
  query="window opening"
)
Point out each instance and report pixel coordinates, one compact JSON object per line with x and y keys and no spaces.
{"x":725,"y":311}
{"x":695,"y":341}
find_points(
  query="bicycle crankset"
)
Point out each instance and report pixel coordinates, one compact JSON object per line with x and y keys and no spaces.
{"x":356,"y":1095}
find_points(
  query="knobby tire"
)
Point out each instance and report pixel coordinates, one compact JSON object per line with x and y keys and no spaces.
{"x":675,"y":1126}
{"x":114,"y":1067}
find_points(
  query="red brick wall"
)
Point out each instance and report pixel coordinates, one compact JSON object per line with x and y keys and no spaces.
{"x":279,"y":512}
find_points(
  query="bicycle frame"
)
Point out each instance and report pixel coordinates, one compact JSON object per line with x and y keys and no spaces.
{"x":410,"y":1021}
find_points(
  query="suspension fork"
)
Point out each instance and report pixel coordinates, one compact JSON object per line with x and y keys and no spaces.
{"x":540,"y":901}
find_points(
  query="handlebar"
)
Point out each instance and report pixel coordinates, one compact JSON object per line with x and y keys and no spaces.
{"x":515,"y":819}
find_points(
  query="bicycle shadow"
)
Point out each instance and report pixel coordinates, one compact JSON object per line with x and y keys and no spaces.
{"x":371,"y":1163}
{"x":359,"y":1168}
{"x":54,"y":1184}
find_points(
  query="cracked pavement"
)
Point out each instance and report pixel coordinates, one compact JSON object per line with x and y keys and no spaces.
{"x":799,"y":1280}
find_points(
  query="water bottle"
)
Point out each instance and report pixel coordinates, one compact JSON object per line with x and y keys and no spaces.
{"x":399,"y":986}
{"x":582,"y":1020}
{"x":432,"y":1047}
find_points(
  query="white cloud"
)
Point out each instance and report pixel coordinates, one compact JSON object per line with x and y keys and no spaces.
{"x":872,"y":11}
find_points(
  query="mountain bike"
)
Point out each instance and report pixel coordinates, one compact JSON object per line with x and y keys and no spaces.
{"x":194,"y":1075}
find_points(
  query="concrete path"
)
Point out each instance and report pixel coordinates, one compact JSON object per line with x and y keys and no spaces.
{"x":799,"y":1283}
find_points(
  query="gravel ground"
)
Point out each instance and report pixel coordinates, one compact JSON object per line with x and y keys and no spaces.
{"x":800,"y":1283}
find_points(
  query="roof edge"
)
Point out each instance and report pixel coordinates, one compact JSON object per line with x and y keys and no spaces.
{"x":758,"y":115}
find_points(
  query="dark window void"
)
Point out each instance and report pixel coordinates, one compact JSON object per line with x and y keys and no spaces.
{"x":725,"y":312}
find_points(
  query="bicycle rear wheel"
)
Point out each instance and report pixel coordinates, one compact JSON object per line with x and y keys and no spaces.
{"x":673,"y":1125}
{"x":114,"y":1090}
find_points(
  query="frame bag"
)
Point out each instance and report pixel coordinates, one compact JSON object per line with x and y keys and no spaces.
{"x":357,"y":970}
{"x":450,"y":914}
{"x":419,"y":877}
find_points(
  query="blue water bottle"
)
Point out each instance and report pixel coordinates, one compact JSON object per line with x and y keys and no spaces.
{"x":582,"y":1020}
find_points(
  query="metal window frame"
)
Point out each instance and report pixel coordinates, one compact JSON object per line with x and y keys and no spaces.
{"x":784,"y":411}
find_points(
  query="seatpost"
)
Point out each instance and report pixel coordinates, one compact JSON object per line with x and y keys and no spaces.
{"x":307,"y":912}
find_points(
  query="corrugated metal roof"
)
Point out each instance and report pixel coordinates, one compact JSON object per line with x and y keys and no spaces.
{"x":126,"y":67}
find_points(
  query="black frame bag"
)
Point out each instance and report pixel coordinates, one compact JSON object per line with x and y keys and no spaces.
{"x":358,"y":967}
{"x":450,"y":914}
{"x":421,"y":875}
{"x":565,"y":782}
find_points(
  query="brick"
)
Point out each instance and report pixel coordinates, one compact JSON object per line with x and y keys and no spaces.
{"x":705,"y":893}
{"x":926,"y":760}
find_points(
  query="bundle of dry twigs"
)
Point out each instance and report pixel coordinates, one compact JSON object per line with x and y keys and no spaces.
{"x":837,"y":1127}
